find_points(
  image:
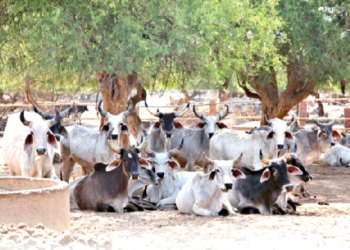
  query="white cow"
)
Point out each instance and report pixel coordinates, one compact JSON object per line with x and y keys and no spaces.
{"x":87,"y":146}
{"x":171,"y":181}
{"x":203,"y":194}
{"x":227,"y":144}
{"x":29,"y":144}
{"x":338,"y":155}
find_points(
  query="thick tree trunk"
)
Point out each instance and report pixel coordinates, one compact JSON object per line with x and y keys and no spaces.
{"x":115,"y":91}
{"x":28,"y":93}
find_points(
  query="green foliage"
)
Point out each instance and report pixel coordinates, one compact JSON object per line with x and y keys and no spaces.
{"x":175,"y":44}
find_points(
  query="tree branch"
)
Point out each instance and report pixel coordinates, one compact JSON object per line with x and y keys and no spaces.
{"x":247,"y":91}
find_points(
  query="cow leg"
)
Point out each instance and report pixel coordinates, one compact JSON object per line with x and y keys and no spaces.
{"x":167,"y":201}
{"x":293,"y":204}
{"x":226,"y":204}
{"x":104,"y":207}
{"x":190,"y":165}
{"x":250,"y":210}
{"x":303,"y":190}
{"x":67,"y":168}
{"x":202,"y":211}
{"x":280,"y":210}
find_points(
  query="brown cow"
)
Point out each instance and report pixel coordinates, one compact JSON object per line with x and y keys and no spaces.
{"x":106,"y":188}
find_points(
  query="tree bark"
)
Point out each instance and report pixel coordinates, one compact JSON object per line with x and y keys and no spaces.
{"x":115,"y":91}
{"x":28,"y":93}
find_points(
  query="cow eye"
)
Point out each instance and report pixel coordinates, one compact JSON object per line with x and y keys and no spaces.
{"x":218,"y":170}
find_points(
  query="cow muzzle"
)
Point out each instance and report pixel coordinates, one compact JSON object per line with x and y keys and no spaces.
{"x":135,"y":175}
{"x":210,"y":135}
{"x":228,"y":186}
{"x":160,"y":175}
{"x":114,"y":136}
{"x":289,"y":188}
{"x":308,"y":178}
{"x":332,"y":143}
{"x":40,"y":151}
{"x":280,"y":146}
{"x":168,"y":134}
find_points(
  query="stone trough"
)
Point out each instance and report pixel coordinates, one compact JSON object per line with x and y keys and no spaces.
{"x":33,"y":201}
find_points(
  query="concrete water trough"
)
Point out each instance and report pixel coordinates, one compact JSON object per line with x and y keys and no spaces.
{"x":33,"y":201}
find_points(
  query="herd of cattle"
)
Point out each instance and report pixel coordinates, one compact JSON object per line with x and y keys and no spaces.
{"x":252,"y":172}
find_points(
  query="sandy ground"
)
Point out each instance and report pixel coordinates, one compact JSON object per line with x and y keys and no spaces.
{"x":316,"y":226}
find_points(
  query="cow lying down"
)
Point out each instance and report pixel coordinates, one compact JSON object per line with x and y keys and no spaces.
{"x":106,"y":187}
{"x":258,"y":192}
{"x":202,"y":195}
{"x":337,"y":155}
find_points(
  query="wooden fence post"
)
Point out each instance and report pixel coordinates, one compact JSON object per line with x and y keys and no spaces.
{"x":302,"y":112}
{"x":212,"y":107}
{"x":347,"y":115}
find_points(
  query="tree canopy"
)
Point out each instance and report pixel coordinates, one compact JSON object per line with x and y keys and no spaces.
{"x":272,"y":49}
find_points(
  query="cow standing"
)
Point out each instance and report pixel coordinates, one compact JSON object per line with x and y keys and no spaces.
{"x":87,"y":146}
{"x":28,"y":145}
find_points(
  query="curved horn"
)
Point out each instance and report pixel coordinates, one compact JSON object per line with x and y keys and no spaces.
{"x":267,"y":120}
{"x":237,"y":160}
{"x":42,"y":113}
{"x":208,"y":160}
{"x":318,"y":124}
{"x":180,"y":113}
{"x":297,"y":124}
{"x":150,"y":152}
{"x":289,"y":122}
{"x":266,"y":162}
{"x":102,"y":112}
{"x":143,"y":145}
{"x":23,"y":119}
{"x":67,"y":111}
{"x":175,"y":151}
{"x":130,"y":106}
{"x":225,"y":114}
{"x":200,"y":116}
{"x":114,"y":148}
{"x":54,"y":120}
{"x":149,"y":111}
{"x":331,"y":123}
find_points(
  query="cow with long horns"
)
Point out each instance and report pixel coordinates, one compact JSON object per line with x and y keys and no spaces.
{"x":106,"y":188}
{"x":87,"y":146}
{"x":28,"y":145}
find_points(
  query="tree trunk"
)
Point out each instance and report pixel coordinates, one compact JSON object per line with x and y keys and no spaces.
{"x":115,"y":91}
{"x":28,"y":93}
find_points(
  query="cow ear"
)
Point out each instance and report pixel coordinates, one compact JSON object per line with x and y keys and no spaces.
{"x":178,"y":125}
{"x":156,"y":126}
{"x":145,"y":164}
{"x":238,"y":174}
{"x":51,"y":139}
{"x":211,"y":175}
{"x":124,"y":129}
{"x":336,"y":134}
{"x":105,"y":128}
{"x":113,"y":165}
{"x":293,"y":170}
{"x":270,"y":135}
{"x":342,"y":133}
{"x":265,"y":175}
{"x":173,"y":164}
{"x":221,"y":125}
{"x":200,"y":125}
{"x":288,"y":135}
{"x":28,"y":141}
{"x":320,"y":134}
{"x":63,"y":132}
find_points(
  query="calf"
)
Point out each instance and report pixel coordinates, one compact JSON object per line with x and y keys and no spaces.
{"x":261,"y":188}
{"x":202,"y":195}
{"x":106,"y":188}
{"x":171,"y":181}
